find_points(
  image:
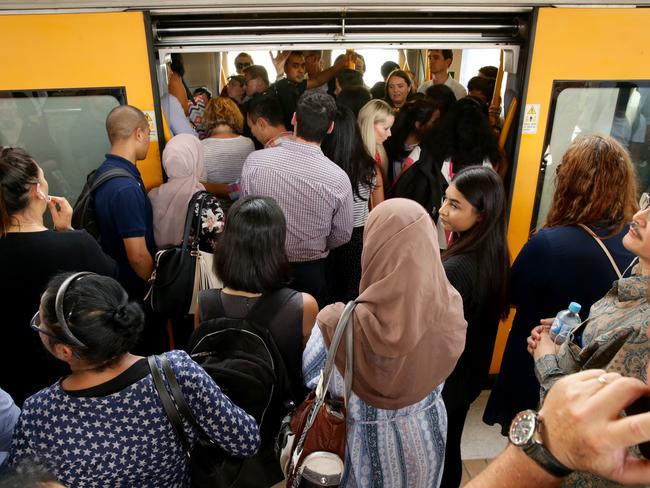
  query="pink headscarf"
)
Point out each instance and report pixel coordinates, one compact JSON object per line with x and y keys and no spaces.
{"x":183,"y":162}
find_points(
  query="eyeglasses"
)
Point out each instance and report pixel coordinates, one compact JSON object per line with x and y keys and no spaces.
{"x":241,"y":66}
{"x":35,"y":324}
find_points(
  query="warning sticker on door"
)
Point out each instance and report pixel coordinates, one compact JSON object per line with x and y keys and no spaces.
{"x":531,"y":118}
{"x":151,"y":119}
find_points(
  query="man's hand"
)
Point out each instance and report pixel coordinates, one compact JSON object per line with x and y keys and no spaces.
{"x":279,"y":60}
{"x":583,"y":429}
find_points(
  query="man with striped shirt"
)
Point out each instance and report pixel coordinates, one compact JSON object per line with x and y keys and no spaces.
{"x":313,"y":192}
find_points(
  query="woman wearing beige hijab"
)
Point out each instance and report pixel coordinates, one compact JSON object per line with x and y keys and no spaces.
{"x":183,"y":163}
{"x":408,"y":334}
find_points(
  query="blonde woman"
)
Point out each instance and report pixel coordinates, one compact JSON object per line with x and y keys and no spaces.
{"x":375,"y":121}
{"x":225,"y":150}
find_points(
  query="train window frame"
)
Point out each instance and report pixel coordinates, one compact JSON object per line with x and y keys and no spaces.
{"x":558,"y":87}
{"x":116,"y":92}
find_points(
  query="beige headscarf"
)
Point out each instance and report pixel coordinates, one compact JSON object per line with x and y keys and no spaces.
{"x":183,"y":163}
{"x":409,"y":329}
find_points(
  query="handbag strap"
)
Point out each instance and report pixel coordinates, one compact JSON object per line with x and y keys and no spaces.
{"x":343,"y":326}
{"x":604,"y":248}
{"x":168,"y":405}
{"x":182,"y":405}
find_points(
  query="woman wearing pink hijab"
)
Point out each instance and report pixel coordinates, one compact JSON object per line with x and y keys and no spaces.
{"x":183,"y":163}
{"x":409,"y":331}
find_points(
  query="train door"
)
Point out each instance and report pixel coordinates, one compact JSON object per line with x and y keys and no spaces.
{"x":587,"y":74}
{"x":62,"y":74}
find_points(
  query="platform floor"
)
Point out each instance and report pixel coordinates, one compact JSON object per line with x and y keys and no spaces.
{"x":481,"y":443}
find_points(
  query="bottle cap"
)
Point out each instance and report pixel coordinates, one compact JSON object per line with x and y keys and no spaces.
{"x":575,"y":307}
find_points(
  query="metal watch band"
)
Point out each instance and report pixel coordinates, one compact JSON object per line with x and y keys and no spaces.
{"x":538,"y":453}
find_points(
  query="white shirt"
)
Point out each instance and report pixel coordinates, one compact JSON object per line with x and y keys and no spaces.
{"x":457,"y":88}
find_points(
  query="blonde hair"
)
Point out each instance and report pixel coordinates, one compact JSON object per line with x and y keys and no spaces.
{"x":371,"y":113}
{"x":223,"y":111}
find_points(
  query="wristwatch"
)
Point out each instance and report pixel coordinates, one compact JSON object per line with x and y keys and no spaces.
{"x":525,"y":434}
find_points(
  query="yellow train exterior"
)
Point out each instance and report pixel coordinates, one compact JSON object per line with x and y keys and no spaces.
{"x":92,"y":47}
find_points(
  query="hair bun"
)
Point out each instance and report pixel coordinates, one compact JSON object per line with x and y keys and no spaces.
{"x":127,"y":315}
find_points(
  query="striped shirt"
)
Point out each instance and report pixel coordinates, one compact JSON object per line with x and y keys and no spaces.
{"x":313,"y":192}
{"x":224,"y":158}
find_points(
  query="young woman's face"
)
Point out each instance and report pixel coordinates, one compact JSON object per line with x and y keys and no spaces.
{"x":382,"y":129}
{"x":637,"y":240}
{"x":236,"y":90}
{"x":398,"y":90}
{"x":457,"y":214}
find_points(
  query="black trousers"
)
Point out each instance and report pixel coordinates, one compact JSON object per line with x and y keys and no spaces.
{"x":309,"y":277}
{"x":453,"y":471}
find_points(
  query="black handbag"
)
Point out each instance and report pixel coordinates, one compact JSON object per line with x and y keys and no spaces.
{"x":210,"y":465}
{"x":172,"y":280}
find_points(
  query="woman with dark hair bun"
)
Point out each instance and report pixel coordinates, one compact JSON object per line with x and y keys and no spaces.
{"x":595,"y":193}
{"x":477,"y":264}
{"x":30,"y":254}
{"x":253,"y":266}
{"x":104,"y":423}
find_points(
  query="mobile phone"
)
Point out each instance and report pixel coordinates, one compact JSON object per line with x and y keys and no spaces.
{"x":641,"y":405}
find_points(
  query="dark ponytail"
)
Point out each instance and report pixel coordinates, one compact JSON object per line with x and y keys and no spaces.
{"x":17,"y":171}
{"x":98,"y":314}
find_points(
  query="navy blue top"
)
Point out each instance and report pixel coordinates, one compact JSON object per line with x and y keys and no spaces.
{"x":557,"y":265}
{"x":123,"y":210}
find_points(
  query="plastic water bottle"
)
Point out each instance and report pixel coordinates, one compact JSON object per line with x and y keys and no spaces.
{"x":565,"y":321}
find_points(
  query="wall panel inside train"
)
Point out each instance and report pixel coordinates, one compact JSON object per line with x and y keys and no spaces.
{"x":588,"y":74}
{"x":62,"y":74}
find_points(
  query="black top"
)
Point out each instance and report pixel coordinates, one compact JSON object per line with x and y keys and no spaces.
{"x":28,"y":260}
{"x":471,"y":372}
{"x":288,"y":94}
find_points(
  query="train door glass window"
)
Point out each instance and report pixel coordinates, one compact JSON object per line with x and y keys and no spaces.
{"x":63,"y":130}
{"x":618,"y":109}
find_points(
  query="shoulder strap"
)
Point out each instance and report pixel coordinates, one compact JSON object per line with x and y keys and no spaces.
{"x":269,"y":304}
{"x":177,"y":394}
{"x":109,"y":175}
{"x":210,"y":305}
{"x":604,"y":248}
{"x":168,"y":405}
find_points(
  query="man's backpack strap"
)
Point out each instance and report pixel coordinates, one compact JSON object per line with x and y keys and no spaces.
{"x":210,"y":305}
{"x":268,"y":305}
{"x":109,"y":175}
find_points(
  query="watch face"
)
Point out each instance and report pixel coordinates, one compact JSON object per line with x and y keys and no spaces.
{"x":522,"y":428}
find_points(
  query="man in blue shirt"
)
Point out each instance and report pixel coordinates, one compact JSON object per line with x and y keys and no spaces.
{"x":122,"y":208}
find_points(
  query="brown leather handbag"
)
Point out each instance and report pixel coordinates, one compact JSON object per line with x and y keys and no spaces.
{"x":316,"y":458}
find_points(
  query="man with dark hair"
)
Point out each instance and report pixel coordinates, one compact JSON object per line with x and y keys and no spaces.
{"x":378,"y":90}
{"x":481,"y":88}
{"x":347,"y":78}
{"x":313,"y":192}
{"x":488,"y":72}
{"x":439,"y":62}
{"x":256,"y":80}
{"x":122,"y":208}
{"x":290,"y":88}
{"x":264,"y":117}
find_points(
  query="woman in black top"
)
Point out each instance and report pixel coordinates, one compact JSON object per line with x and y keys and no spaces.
{"x":477,"y":265}
{"x":251,"y":262}
{"x":30,"y":254}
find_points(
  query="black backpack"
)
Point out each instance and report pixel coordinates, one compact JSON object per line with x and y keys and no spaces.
{"x":83,"y":214}
{"x":242,"y":357}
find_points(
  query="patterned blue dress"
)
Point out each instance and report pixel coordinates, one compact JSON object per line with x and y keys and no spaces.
{"x":124,"y":439}
{"x":402,"y":448}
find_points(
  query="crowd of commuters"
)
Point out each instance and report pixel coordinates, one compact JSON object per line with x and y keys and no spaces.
{"x":293,"y":176}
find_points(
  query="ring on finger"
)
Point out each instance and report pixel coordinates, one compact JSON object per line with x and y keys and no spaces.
{"x":602,"y":380}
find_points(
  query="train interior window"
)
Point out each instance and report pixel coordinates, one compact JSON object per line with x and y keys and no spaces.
{"x":64,"y":131}
{"x":618,"y":109}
